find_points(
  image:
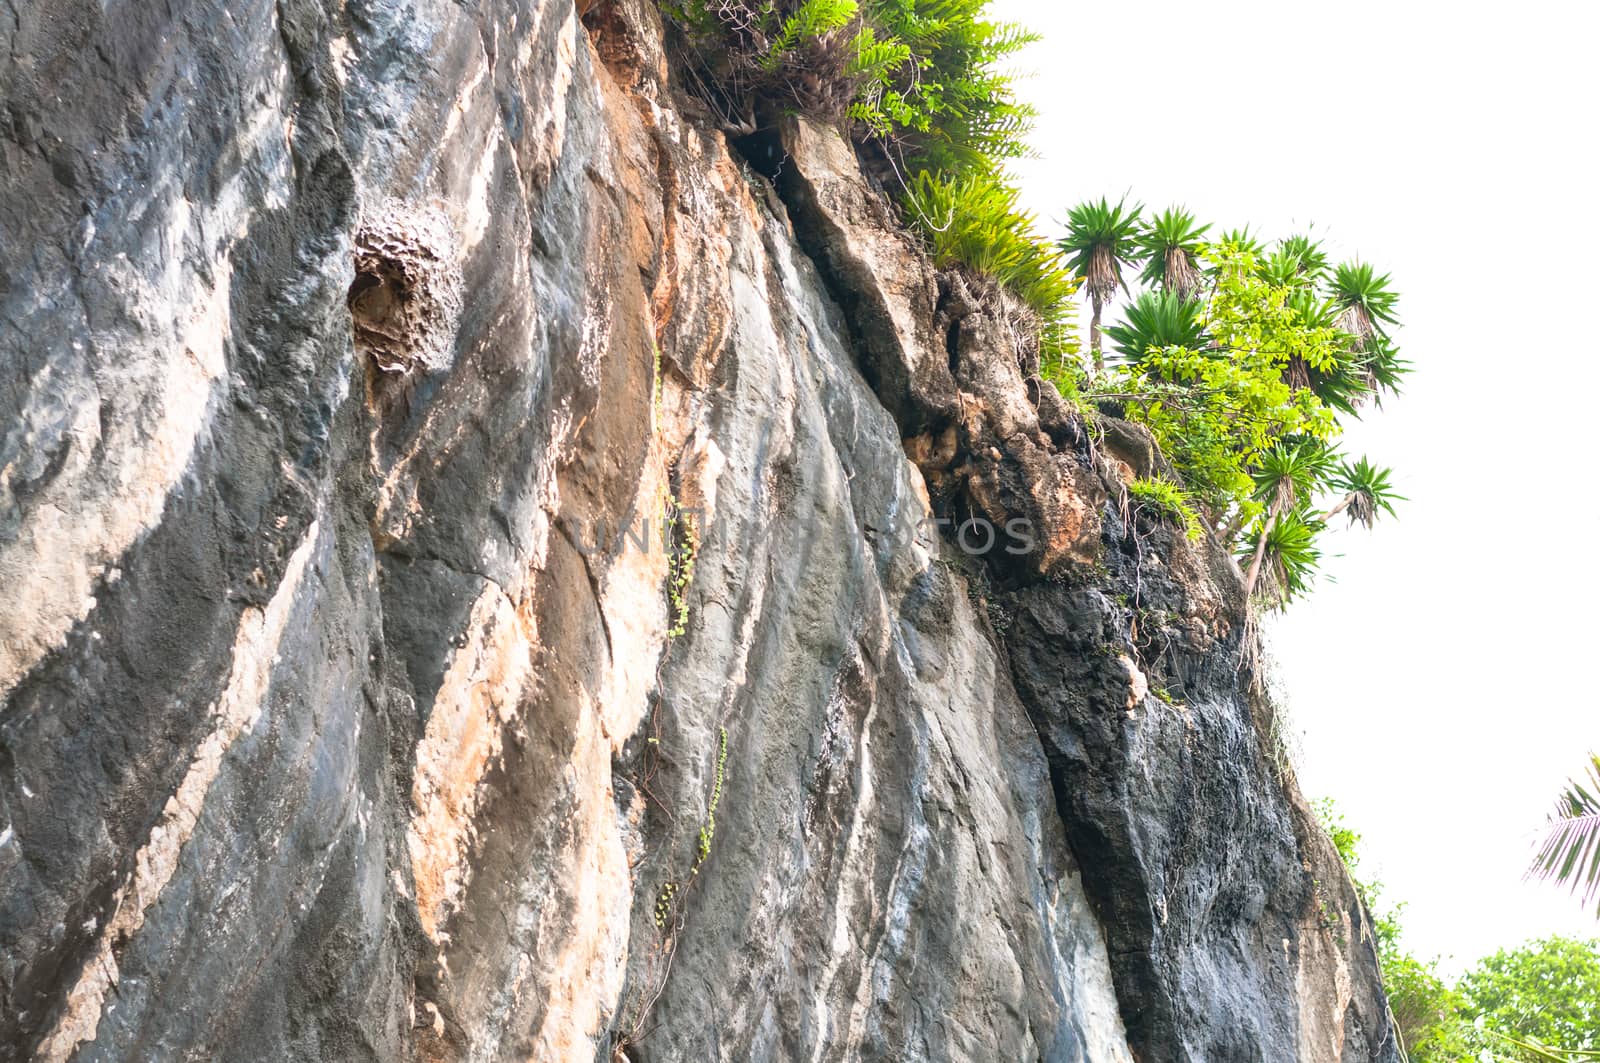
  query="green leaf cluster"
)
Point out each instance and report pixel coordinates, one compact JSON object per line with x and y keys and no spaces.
{"x":1243,"y":361}
{"x":923,"y":75}
{"x":949,"y":103}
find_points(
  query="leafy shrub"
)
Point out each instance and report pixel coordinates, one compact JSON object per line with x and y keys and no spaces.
{"x":812,"y":53}
{"x":948,"y":103}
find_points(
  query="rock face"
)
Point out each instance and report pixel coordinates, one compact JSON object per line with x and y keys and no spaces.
{"x":472,"y":587}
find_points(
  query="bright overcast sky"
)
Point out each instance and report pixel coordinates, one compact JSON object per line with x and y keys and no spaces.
{"x":1441,"y":686}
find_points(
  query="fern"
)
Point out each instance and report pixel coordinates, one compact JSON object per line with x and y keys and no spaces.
{"x":920,"y":74}
{"x":812,"y":20}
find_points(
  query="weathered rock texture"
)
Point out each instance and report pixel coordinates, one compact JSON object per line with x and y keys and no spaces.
{"x":353,"y":353}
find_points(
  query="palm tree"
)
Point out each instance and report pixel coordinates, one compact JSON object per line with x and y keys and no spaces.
{"x":1571,"y":851}
{"x":1289,"y":474}
{"x":1366,"y":493}
{"x":1365,"y":301}
{"x":1100,"y":244}
{"x":1287,"y":548}
{"x":1156,"y":321}
{"x":1171,"y":250}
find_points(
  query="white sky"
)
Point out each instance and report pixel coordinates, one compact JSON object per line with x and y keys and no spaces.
{"x":1441,"y":685}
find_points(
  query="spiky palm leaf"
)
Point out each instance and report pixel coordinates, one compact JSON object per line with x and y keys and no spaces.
{"x":1242,"y":240}
{"x":1365,"y":299}
{"x":1313,"y":260}
{"x":1156,"y":321}
{"x":1382,"y":367}
{"x":1345,"y":387}
{"x":1570,"y":854}
{"x":1285,"y":479}
{"x":1171,"y":248}
{"x":1291,"y":472}
{"x":1279,"y":270}
{"x":1366,"y":492}
{"x":1313,"y":311}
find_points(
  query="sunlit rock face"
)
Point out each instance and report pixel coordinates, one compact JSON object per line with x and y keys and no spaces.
{"x":472,"y":588}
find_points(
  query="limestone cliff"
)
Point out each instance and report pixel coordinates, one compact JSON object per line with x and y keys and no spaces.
{"x":358,"y":357}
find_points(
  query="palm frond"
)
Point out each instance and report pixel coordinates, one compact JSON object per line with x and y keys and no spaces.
{"x":1367,"y":492}
{"x":1291,"y":472}
{"x":1313,"y":261}
{"x":1288,"y":548}
{"x":1570,"y":853}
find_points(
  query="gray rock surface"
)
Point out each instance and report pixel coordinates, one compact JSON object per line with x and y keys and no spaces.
{"x":357,"y":359}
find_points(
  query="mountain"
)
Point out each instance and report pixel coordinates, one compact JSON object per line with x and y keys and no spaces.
{"x":492,"y":567}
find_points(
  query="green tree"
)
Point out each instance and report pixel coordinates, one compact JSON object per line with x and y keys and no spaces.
{"x":1243,"y":386}
{"x":1171,"y":249}
{"x":1546,"y":993}
{"x":1102,"y":240}
{"x":1427,"y":1011}
{"x":1536,"y":1004}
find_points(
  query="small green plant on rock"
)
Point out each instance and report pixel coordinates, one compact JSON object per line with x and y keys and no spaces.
{"x":975,"y":221}
{"x":921,"y":84}
{"x":681,"y":539}
{"x":664,"y":900}
{"x":708,"y":830}
{"x":1167,"y":498}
